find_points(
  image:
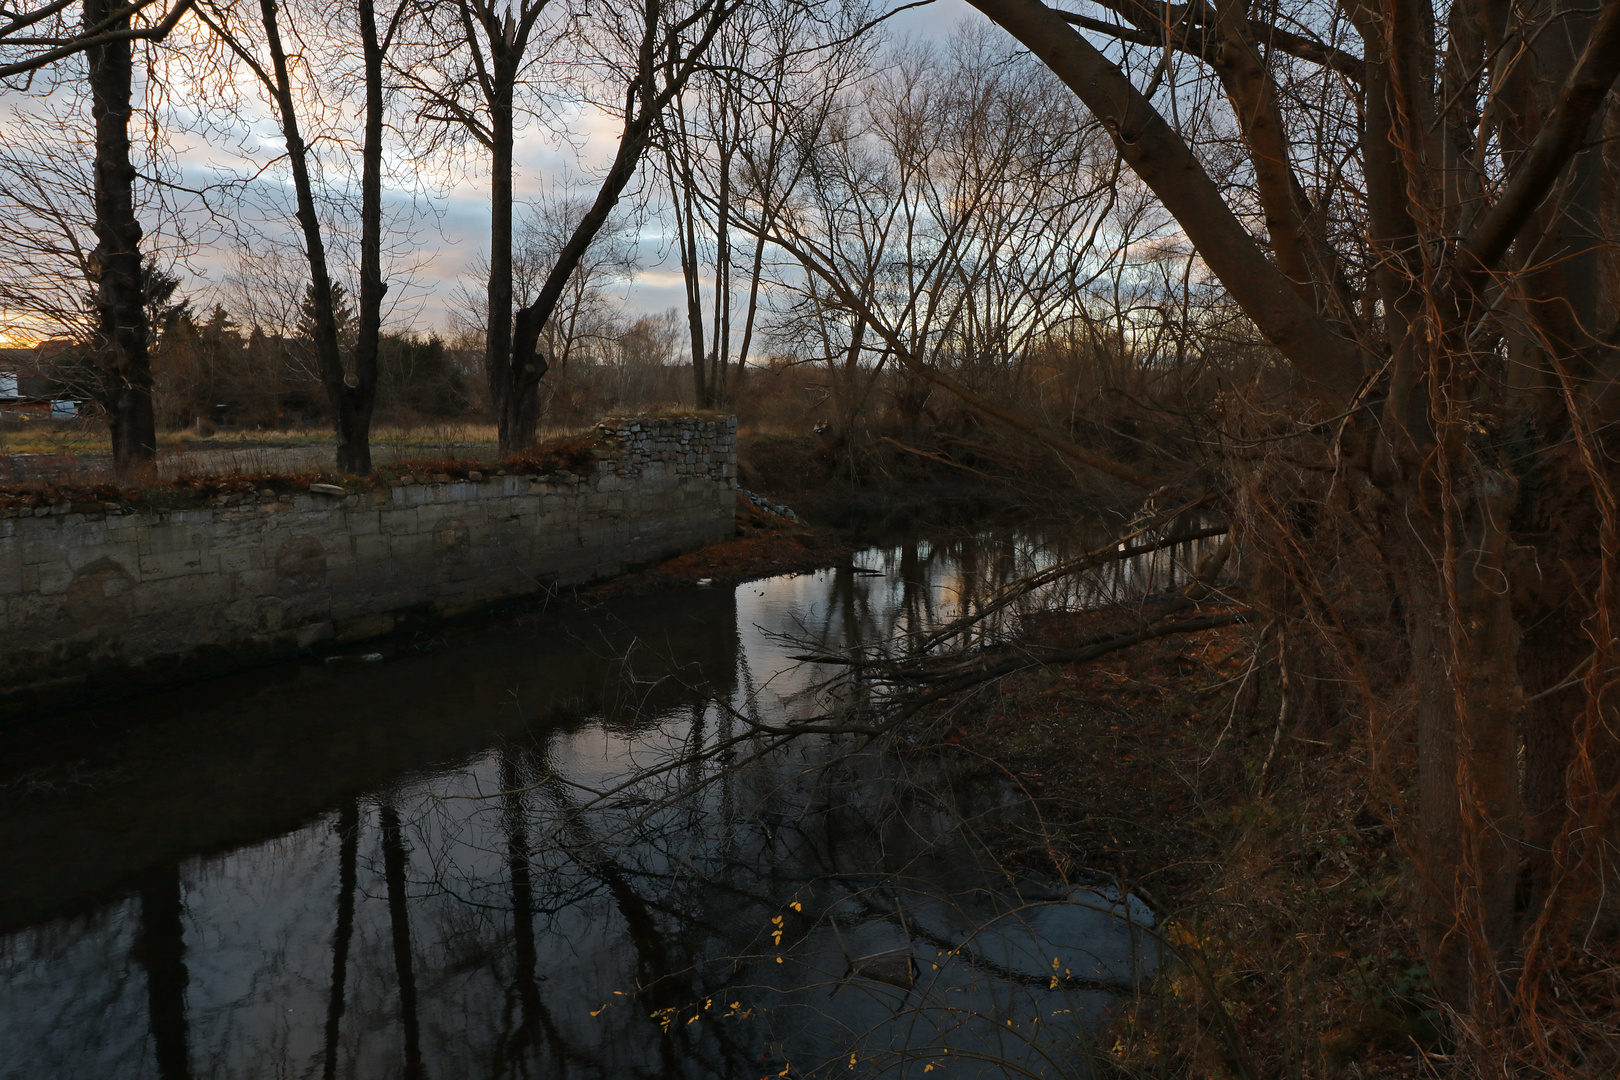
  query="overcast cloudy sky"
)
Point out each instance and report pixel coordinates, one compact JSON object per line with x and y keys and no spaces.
{"x":449,"y":239}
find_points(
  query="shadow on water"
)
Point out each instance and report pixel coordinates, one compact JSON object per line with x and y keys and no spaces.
{"x":405,"y":867}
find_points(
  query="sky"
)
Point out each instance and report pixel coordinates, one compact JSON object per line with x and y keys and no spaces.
{"x":448,"y":241}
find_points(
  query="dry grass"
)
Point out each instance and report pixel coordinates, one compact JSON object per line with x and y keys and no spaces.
{"x":1278,"y":878}
{"x":78,"y":453}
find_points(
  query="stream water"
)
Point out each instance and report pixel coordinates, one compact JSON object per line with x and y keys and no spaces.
{"x":402,"y":863}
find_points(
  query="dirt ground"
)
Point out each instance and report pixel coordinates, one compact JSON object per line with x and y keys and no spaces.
{"x":766,"y":545}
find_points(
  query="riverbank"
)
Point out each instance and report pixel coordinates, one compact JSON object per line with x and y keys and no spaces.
{"x":1272,"y":867}
{"x":780,"y":547}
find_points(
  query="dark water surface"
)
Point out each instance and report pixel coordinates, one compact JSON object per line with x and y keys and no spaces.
{"x":400,"y":866}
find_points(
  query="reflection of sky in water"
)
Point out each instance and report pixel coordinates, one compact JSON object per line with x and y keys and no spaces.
{"x":436,"y":906}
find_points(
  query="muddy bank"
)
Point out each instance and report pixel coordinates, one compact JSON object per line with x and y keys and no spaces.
{"x":1269,"y":860}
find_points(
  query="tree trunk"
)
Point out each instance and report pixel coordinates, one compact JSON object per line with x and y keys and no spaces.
{"x":121,"y":330}
{"x":351,"y":430}
{"x":357,"y":402}
{"x":686,"y":238}
{"x":498,"y":332}
{"x":1451,"y":563}
{"x":529,"y":365}
{"x":719,"y":392}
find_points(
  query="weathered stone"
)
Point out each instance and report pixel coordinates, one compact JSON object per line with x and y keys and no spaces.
{"x":290,"y":572}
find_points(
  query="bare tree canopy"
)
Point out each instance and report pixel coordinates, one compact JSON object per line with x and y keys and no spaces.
{"x":1420,"y":218}
{"x":42,"y":36}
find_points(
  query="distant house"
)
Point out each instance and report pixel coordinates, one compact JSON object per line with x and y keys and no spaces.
{"x":29,"y":397}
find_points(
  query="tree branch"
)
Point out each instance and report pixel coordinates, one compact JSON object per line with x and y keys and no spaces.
{"x":1560,"y":140}
{"x":1333,"y":366}
{"x":151,"y":33}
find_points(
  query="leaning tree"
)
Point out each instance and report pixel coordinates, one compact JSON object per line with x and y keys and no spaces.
{"x":1417,"y":209}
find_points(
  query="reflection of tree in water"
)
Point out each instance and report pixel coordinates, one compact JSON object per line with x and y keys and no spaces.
{"x":399,"y":921}
{"x":348,"y":826}
{"x":469,"y":921}
{"x":161,"y":951}
{"x":907,"y":592}
{"x":666,"y":893}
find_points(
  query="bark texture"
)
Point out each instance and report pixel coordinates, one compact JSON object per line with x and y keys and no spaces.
{"x":120,"y":345}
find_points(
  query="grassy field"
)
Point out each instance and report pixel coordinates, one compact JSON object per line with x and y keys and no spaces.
{"x":87,"y":439}
{"x":72,"y":453}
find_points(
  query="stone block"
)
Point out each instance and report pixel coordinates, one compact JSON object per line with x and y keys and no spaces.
{"x":167,"y":596}
{"x":398,"y":522}
{"x":77,"y":556}
{"x":256,"y":581}
{"x":364,"y":522}
{"x":371,"y":550}
{"x":314,"y":633}
{"x":235,"y":560}
{"x":183,"y":563}
{"x":47,"y":578}
{"x":360,"y":627}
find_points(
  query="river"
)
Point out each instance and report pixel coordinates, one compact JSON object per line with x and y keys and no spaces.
{"x":494,"y":850}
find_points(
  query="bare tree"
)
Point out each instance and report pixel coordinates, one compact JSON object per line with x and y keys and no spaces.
{"x":36,"y":38}
{"x":948,"y":216}
{"x":541,"y":230}
{"x":1465,"y":361}
{"x":48,"y":196}
{"x":474,"y":59}
{"x":351,"y":389}
{"x":774,"y":72}
{"x":646,"y":61}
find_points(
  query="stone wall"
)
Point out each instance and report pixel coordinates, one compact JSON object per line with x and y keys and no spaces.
{"x":90,"y":601}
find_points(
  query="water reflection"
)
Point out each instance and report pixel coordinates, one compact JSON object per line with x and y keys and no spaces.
{"x":160,"y":949}
{"x":402,"y":868}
